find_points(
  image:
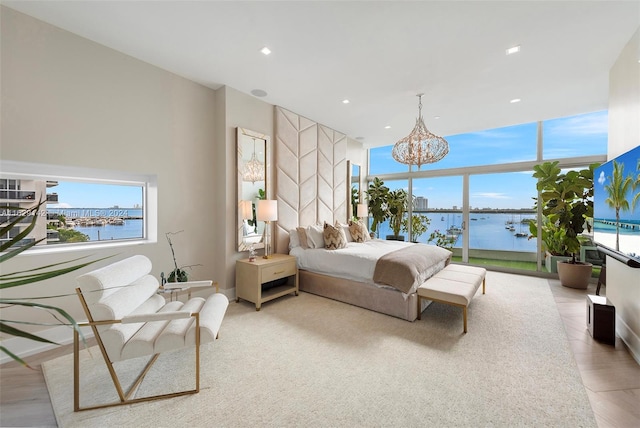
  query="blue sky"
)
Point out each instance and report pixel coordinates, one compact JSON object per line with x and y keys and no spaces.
{"x":631,"y":168}
{"x":581,"y":135}
{"x":92,"y":195}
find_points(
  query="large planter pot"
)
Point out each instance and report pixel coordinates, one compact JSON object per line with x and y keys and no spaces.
{"x":551,"y":262}
{"x":574,"y":275}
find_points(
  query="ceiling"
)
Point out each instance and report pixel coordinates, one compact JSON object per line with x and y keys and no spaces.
{"x":378,"y":55}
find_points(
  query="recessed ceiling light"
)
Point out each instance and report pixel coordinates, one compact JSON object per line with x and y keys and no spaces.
{"x":258,"y":93}
{"x":513,"y":50}
{"x":387,"y":127}
{"x":345,"y":101}
{"x":436,"y":117}
{"x":515,"y":100}
{"x":265,"y":50}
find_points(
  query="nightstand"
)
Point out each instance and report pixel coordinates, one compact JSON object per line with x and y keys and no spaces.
{"x":251,"y":277}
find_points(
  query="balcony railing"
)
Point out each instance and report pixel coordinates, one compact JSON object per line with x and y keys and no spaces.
{"x":21,"y":195}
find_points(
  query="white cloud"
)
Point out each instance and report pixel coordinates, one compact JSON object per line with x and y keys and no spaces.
{"x":602,"y":178}
{"x":490,"y":195}
{"x":60,"y":205}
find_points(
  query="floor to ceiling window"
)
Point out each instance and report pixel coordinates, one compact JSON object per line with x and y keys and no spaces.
{"x":479,"y":199}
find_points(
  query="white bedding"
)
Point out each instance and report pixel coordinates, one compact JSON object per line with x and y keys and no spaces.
{"x":356,"y":262}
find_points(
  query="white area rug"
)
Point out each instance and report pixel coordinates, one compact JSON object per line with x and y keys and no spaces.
{"x":311,"y":361}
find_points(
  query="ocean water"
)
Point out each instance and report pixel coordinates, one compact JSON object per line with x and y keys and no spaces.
{"x":131,"y":229}
{"x":487,"y":231}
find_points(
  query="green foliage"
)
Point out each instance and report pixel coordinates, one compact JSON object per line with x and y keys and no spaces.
{"x":553,"y":238}
{"x":397,"y":204}
{"x":355,"y":200}
{"x":11,"y":249}
{"x":617,"y":188}
{"x":178,"y":274}
{"x":567,"y":204}
{"x":419,"y":225}
{"x":442,"y":240}
{"x":70,"y":235}
{"x":377,"y":195}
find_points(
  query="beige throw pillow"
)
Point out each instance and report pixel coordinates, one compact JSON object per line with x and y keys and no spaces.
{"x":334,"y":237}
{"x":358,"y":231}
{"x":302,"y":237}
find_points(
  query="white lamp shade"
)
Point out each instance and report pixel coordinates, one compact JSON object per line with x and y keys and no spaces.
{"x":246,"y":210}
{"x":267,"y":210}
{"x":362,"y":210}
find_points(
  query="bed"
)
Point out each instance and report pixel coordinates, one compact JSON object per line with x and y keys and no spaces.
{"x":352,"y":274}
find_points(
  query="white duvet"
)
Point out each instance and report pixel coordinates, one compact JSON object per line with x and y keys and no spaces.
{"x":355,"y":262}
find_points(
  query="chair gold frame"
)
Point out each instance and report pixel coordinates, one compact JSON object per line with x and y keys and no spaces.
{"x":125,"y":398}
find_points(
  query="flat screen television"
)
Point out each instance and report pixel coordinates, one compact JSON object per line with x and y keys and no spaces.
{"x":619,"y":234}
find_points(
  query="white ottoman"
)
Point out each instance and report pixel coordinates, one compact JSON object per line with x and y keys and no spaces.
{"x":454,"y":285}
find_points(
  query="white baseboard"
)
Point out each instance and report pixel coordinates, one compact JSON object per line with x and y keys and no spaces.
{"x":629,"y":337}
{"x":23,"y":348}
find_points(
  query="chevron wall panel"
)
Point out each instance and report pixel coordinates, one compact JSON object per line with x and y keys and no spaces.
{"x":311,"y":174}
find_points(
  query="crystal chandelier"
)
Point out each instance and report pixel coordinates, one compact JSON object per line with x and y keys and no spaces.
{"x":420,"y":146}
{"x":254,"y":169}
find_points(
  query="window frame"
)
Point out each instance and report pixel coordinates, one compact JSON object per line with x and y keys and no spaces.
{"x":46,"y":172}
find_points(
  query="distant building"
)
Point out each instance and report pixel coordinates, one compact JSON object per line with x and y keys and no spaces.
{"x":421,"y":203}
{"x":16,"y":195}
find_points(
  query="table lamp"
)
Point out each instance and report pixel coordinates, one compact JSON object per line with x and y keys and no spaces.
{"x":362,"y":211}
{"x":267,"y":211}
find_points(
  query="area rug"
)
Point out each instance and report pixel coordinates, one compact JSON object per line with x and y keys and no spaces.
{"x":310,"y":361}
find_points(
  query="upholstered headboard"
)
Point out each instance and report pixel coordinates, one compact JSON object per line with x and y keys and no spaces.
{"x":311,"y":174}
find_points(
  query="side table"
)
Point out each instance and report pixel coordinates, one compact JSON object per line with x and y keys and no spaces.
{"x":175,"y":289}
{"x":250,"y":277}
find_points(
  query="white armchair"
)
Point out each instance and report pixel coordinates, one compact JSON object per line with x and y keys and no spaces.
{"x":129,"y":320}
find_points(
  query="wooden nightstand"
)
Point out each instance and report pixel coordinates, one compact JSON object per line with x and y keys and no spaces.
{"x":250,"y":276}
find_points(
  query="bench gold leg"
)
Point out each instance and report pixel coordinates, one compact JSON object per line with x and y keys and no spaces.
{"x":464,"y":317}
{"x":483,"y":279}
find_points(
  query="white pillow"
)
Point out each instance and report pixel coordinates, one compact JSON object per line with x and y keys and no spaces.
{"x":294,"y":241}
{"x":315,"y":237}
{"x":345,"y":228}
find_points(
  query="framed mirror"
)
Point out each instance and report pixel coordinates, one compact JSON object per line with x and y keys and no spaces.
{"x":354,"y":195}
{"x":253,"y":169}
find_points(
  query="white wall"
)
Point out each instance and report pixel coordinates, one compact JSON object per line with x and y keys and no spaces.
{"x":69,"y":101}
{"x":623,"y":283}
{"x":246,"y":111}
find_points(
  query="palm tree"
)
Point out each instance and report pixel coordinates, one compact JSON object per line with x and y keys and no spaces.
{"x":617,"y":189}
{"x":636,"y":185}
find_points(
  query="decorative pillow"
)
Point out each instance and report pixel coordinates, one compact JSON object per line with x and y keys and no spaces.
{"x":315,"y":239}
{"x":344,"y":227}
{"x":358,"y":231}
{"x":334,"y":237}
{"x":302,"y":237}
{"x":294,"y":241}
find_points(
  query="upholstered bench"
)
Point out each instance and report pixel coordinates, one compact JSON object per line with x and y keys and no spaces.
{"x":454,"y":285}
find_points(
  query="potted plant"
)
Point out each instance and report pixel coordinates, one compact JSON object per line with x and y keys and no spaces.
{"x":419,"y":225}
{"x":553,"y":243}
{"x":567,"y":204}
{"x":397,"y":205}
{"x":16,"y":218}
{"x":377,"y":196}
